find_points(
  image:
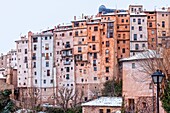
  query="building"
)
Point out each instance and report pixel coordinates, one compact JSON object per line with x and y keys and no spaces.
{"x":42,"y":74}
{"x":3,"y":61}
{"x":64,"y":57}
{"x":103,"y":105}
{"x":123,"y":34}
{"x":163,"y":24}
{"x":138,"y":29}
{"x":152,"y":29}
{"x":22,"y":67}
{"x":138,"y":90}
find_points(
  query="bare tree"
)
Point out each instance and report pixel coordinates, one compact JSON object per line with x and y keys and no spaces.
{"x":68,"y":98}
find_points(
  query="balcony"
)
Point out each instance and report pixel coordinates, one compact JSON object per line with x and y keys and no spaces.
{"x":67,"y":46}
{"x":67,"y":62}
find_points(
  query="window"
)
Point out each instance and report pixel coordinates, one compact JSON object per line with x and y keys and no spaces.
{"x":107,"y":44}
{"x":153,"y":39}
{"x":67,"y":76}
{"x":46,"y":46}
{"x":124,"y":41}
{"x":153,"y":31}
{"x":101,"y":111}
{"x":133,"y":65}
{"x":163,"y":23}
{"x":134,"y":20}
{"x":35,"y":47}
{"x":58,"y":43}
{"x":107,"y":51}
{"x":47,"y":56}
{"x":107,"y":69}
{"x":150,"y":24}
{"x":76,"y":33}
{"x":95,"y":55}
{"x":136,"y":46}
{"x":107,"y":78}
{"x":126,"y":20}
{"x":76,"y":24}
{"x":35,"y":81}
{"x":44,"y":81}
{"x":45,"y":89}
{"x":95,"y":78}
{"x":140,"y":28}
{"x":95,"y":68}
{"x":134,"y":36}
{"x":94,"y":63}
{"x":107,"y":60}
{"x":108,"y":111}
{"x":62,"y":34}
{"x":25,"y":51}
{"x":139,"y":21}
{"x":34,"y":65}
{"x":35,"y":73}
{"x":94,"y":47}
{"x":123,"y":50}
{"x":162,"y":15}
{"x":143,"y":45}
{"x":95,"y":28}
{"x":124,"y":36}
{"x":70,"y":33}
{"x":132,"y":27}
{"x":48,"y":72}
{"x":93,"y":38}
{"x":141,"y":35}
{"x":119,"y":35}
{"x":35,"y":39}
{"x":47,"y":64}
{"x":163,"y":33}
{"x":79,"y":49}
{"x":67,"y":69}
{"x":122,"y":20}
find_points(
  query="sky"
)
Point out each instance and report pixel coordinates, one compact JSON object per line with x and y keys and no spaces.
{"x":17,"y":17}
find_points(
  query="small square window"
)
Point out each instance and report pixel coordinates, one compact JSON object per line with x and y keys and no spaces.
{"x":133,"y":65}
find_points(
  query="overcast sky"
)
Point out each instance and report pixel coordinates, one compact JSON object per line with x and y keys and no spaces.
{"x":17,"y":17}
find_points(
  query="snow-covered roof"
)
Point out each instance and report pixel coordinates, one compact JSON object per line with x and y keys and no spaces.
{"x":144,"y":55}
{"x":108,"y":14}
{"x":105,"y":101}
{"x":2,"y":76}
{"x":96,"y":18}
{"x":79,"y":20}
{"x":122,"y":13}
{"x":142,"y":14}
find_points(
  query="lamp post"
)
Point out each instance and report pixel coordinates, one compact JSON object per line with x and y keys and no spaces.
{"x":157,"y":79}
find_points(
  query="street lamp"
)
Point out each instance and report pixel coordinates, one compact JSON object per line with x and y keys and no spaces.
{"x":157,"y":79}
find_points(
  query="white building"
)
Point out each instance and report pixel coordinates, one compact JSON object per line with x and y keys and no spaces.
{"x":22,"y":62}
{"x":41,"y":65}
{"x":12,"y":59}
{"x":138,"y":29}
{"x":64,"y":60}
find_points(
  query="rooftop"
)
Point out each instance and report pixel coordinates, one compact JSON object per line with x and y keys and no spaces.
{"x":105,"y":101}
{"x":144,"y":55}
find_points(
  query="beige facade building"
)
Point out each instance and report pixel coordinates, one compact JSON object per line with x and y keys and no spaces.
{"x":163,"y":25}
{"x":138,"y":90}
{"x":64,"y":57}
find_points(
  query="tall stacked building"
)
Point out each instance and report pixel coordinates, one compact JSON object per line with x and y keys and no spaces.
{"x":83,"y":55}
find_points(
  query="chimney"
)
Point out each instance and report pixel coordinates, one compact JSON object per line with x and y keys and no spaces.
{"x":82,"y":16}
{"x":74,"y":17}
